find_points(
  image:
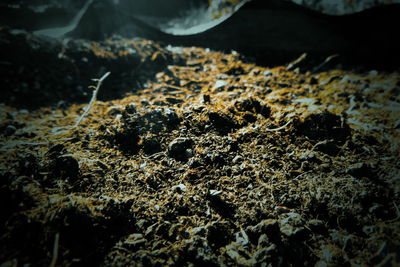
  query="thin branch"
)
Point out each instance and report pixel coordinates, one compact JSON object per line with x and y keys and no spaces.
{"x":279,"y":128}
{"x":296,"y":62}
{"x":93,"y":100}
{"x":326,"y":61}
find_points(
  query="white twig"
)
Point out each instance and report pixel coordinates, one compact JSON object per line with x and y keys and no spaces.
{"x":93,"y":100}
{"x":279,"y":128}
{"x":55,"y":250}
{"x":296,"y":62}
{"x":317,"y":68}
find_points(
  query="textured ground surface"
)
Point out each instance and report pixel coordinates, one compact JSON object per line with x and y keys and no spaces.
{"x":215,"y":162}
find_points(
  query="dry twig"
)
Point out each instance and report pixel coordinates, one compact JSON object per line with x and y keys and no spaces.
{"x":293,"y":64}
{"x":279,"y":128}
{"x":93,"y":100}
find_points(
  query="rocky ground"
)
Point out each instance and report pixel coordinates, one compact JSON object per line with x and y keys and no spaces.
{"x":214,"y":161}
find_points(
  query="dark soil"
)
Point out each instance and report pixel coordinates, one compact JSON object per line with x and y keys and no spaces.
{"x":212,"y":162}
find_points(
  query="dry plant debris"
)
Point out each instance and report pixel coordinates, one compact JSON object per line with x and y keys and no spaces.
{"x":189,"y":171}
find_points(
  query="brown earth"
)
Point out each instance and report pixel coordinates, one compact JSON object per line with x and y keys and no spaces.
{"x":216,"y":162}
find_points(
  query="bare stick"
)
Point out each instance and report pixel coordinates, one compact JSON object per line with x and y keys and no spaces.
{"x":279,"y":128}
{"x":93,"y":100}
{"x":326,"y":61}
{"x":55,"y":250}
{"x":296,"y":62}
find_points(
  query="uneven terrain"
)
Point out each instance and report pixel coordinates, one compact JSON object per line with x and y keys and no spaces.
{"x":214,"y":161}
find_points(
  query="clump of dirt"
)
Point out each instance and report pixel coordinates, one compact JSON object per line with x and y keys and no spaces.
{"x":216,"y":162}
